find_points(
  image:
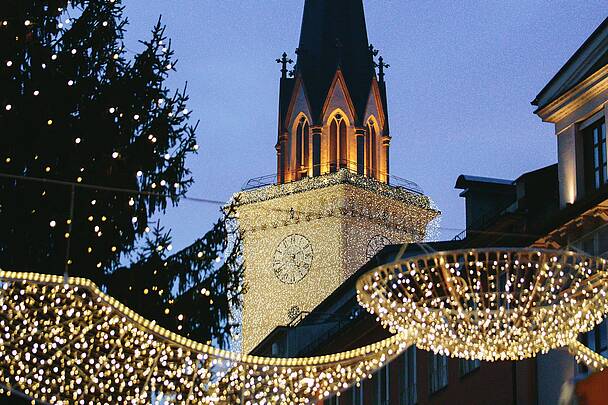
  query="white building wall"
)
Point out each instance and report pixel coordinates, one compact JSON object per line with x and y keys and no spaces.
{"x":567,"y":165}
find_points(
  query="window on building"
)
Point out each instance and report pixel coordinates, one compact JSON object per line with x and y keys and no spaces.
{"x":468,"y":366}
{"x":299,"y":144}
{"x":595,"y":244}
{"x":360,"y":155}
{"x":596,"y":169}
{"x":335,"y":400}
{"x":306,"y":140}
{"x":333,"y":145}
{"x":438,"y":372}
{"x":372,"y":150}
{"x":338,"y":148}
{"x":302,"y":143}
{"x":316,"y":154}
{"x":408,"y":388}
{"x":357,"y":392}
{"x":381,"y":386}
{"x":343,"y":145}
{"x":602,"y":242}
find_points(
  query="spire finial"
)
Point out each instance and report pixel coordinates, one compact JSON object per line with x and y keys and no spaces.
{"x":284,"y":61}
{"x":381,"y":66}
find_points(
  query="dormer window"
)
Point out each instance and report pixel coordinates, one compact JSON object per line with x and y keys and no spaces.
{"x":596,"y":173}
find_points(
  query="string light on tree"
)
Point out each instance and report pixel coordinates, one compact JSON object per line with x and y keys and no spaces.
{"x":112,"y":97}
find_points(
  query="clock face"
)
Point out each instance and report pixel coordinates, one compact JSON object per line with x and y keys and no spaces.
{"x":375,"y":245}
{"x":292,"y":259}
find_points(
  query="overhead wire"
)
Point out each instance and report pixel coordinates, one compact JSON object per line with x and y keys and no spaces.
{"x":220,"y":203}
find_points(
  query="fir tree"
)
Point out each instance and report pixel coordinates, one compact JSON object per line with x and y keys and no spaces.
{"x":194,"y":291}
{"x":76,"y":107}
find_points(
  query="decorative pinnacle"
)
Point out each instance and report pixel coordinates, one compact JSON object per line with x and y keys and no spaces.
{"x":381,"y":66}
{"x":373,"y":50}
{"x":284,"y":61}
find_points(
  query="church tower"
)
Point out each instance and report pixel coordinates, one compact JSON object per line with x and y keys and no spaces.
{"x":333,"y":203}
{"x":333,"y":112}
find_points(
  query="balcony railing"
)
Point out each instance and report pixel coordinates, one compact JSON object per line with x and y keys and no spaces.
{"x":391,"y":180}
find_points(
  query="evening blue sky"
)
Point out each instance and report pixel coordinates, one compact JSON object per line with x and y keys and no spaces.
{"x":461,"y":80}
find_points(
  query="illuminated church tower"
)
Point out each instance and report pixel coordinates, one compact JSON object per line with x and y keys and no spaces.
{"x":333,"y":204}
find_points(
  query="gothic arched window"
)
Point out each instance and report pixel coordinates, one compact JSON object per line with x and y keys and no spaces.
{"x":343,"y":145}
{"x":333,"y":145}
{"x":372,"y":149}
{"x":302,"y":145}
{"x":306,"y":141}
{"x":338,"y":149}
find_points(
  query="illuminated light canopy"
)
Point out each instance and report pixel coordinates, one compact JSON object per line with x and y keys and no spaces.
{"x":489,"y":304}
{"x":70,"y":343}
{"x":583,"y":354}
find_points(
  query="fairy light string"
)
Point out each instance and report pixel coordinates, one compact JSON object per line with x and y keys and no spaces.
{"x":72,"y":343}
{"x":489,"y":304}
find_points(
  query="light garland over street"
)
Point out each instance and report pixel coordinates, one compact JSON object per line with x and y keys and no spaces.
{"x":489,"y":304}
{"x":70,"y":343}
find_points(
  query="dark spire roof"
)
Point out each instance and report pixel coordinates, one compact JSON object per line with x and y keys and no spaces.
{"x":334,"y":35}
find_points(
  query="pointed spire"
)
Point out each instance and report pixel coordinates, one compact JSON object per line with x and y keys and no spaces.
{"x":334,"y":34}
